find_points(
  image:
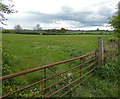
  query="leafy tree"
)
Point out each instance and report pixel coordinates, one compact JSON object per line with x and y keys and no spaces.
{"x":62,"y":30}
{"x":5,"y":9}
{"x":17,"y":28}
{"x":37,"y":28}
{"x":115,"y":22}
{"x":97,"y":29}
{"x":5,"y":31}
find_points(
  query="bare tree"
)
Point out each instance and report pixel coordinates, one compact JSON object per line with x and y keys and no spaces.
{"x":37,"y":28}
{"x":17,"y":28}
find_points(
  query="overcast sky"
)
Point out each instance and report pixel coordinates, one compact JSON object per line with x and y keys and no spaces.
{"x":69,"y":14}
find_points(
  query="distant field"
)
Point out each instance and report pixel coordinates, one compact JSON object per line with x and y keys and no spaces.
{"x":37,"y":50}
{"x":91,"y":33}
{"x":58,"y":32}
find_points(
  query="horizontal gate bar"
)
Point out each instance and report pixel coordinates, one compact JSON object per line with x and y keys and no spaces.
{"x":71,"y":83}
{"x":61,"y":80}
{"x":39,"y":68}
{"x":76,"y":85}
{"x":56,"y":73}
{"x":45,"y":79}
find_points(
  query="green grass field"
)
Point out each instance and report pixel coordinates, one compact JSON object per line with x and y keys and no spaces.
{"x":34,"y":50}
{"x":30,"y":51}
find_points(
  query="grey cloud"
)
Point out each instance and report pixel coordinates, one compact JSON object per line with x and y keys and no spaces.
{"x":88,"y":18}
{"x":105,"y":11}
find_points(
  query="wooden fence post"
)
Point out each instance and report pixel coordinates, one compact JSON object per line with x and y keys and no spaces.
{"x":100,"y":50}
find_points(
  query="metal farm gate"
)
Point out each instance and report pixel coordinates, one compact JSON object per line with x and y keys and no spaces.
{"x":91,"y":58}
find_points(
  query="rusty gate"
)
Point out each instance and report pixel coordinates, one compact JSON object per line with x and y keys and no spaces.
{"x":90,"y":58}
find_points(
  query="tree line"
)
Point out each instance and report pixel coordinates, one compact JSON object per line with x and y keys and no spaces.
{"x":36,"y":30}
